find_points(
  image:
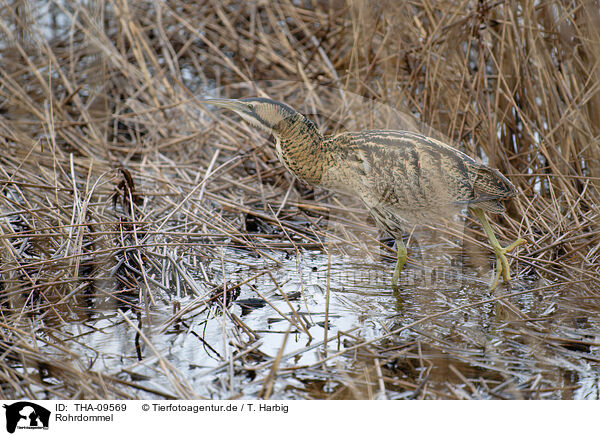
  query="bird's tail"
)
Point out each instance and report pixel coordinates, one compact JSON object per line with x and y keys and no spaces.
{"x":490,"y":187}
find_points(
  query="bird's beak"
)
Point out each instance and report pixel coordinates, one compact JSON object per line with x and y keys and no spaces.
{"x":226,"y":103}
{"x":241,"y":108}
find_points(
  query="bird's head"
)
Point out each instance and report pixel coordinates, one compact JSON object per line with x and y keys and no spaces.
{"x":269,"y":115}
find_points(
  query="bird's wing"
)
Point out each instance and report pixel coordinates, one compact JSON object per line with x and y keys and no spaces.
{"x":401,"y":177}
{"x":409,"y":172}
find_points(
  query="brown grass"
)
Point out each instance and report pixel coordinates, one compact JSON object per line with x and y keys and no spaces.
{"x":117,"y":190}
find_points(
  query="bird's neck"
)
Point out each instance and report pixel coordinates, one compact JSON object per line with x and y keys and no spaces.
{"x":300,"y":147}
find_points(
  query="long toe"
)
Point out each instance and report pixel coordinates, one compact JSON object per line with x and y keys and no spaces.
{"x":502,"y":266}
{"x":499,"y":270}
{"x":514,"y":245}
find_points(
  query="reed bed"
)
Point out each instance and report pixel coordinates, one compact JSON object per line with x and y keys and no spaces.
{"x":119,"y":194}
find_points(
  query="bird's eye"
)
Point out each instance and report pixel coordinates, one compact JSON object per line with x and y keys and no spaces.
{"x":250,"y":106}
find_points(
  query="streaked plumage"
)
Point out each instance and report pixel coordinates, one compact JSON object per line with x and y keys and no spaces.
{"x":406,"y":178}
{"x":403,"y":178}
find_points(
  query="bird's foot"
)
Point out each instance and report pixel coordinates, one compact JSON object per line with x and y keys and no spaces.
{"x":401,"y":260}
{"x":502,"y":266}
{"x":395,"y":279}
{"x":396,"y":290}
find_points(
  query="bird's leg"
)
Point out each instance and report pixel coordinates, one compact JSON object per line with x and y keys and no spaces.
{"x":401,"y":260}
{"x":501,"y":261}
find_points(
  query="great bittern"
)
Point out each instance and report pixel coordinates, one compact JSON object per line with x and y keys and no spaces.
{"x":403,"y":178}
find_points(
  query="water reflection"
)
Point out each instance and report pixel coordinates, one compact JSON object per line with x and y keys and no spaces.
{"x":444,"y":330}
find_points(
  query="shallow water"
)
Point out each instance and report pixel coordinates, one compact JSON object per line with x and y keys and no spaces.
{"x":444,"y":329}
